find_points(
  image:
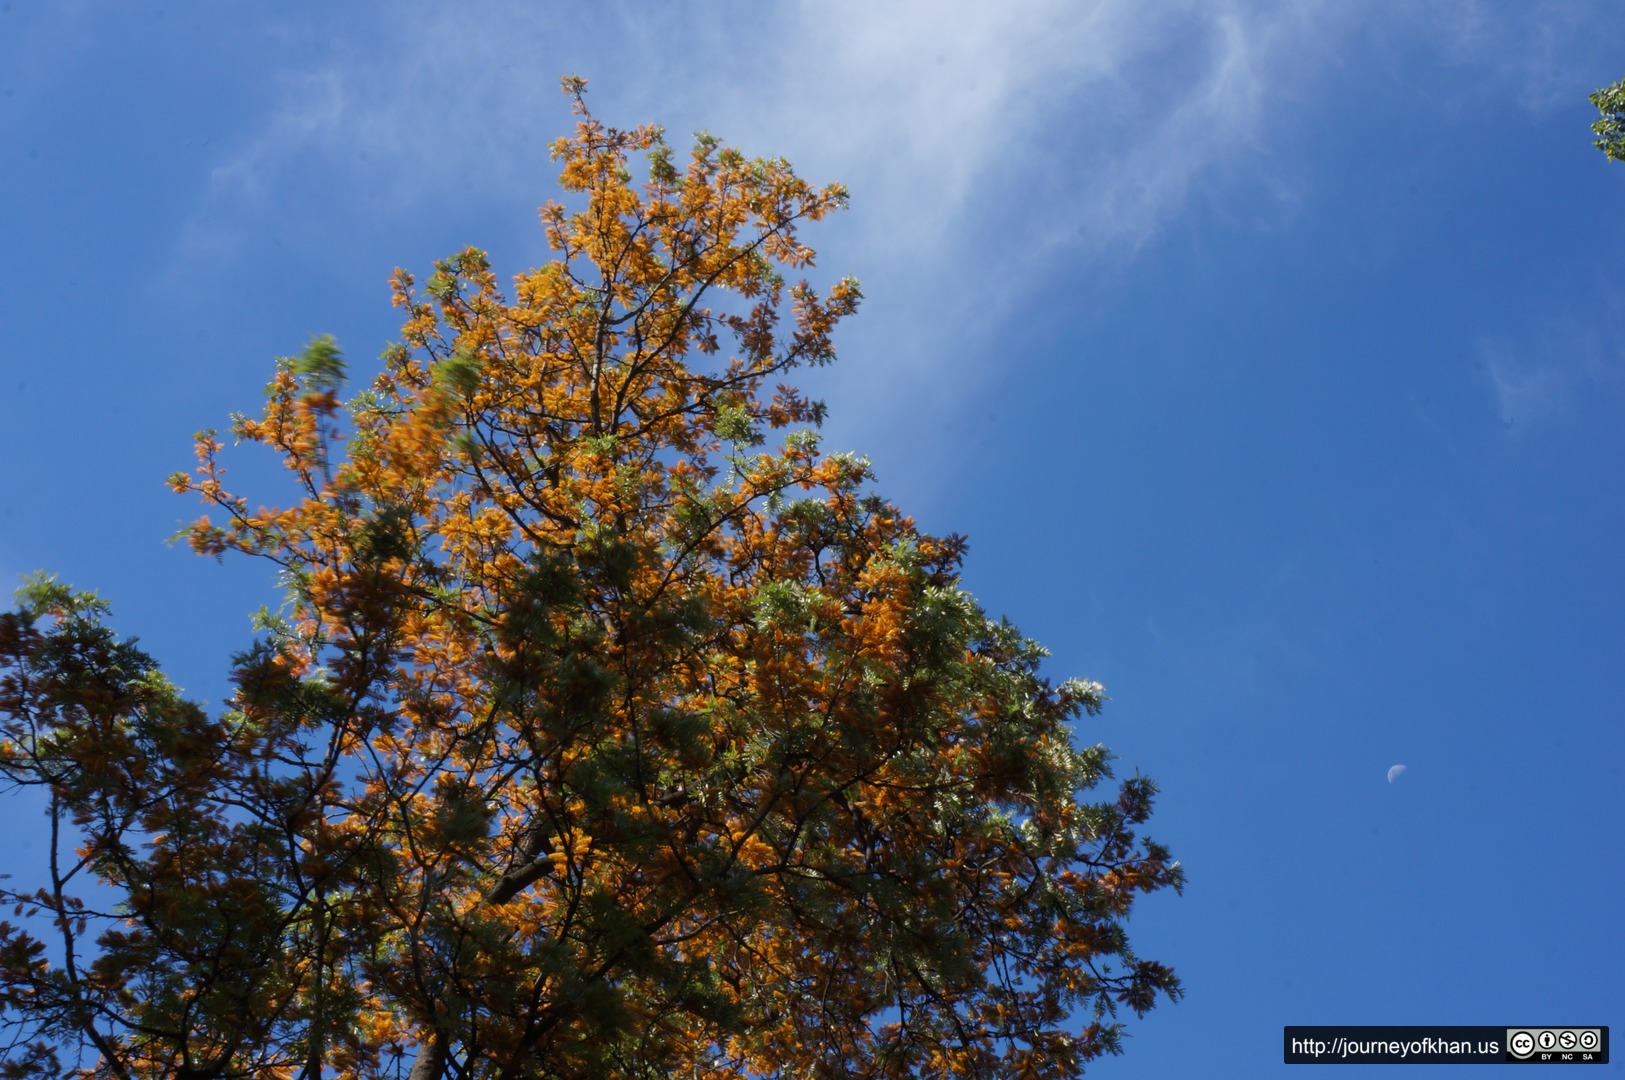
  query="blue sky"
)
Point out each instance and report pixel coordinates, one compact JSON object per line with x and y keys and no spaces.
{"x":1270,"y":356}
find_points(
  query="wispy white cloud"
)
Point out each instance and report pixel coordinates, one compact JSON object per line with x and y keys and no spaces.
{"x":1541,"y":377}
{"x":990,"y":150}
{"x":308,"y":123}
{"x":986,"y":146}
{"x":1529,"y":47}
{"x":982,"y":144}
{"x":1059,"y":124}
{"x":1529,"y":392}
{"x":1079,"y":125}
{"x":310,"y":116}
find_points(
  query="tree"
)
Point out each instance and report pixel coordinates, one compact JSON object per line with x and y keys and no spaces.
{"x":1610,"y":126}
{"x":600,"y":737}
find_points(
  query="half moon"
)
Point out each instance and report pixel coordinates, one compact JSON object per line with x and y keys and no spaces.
{"x":1394,"y":771}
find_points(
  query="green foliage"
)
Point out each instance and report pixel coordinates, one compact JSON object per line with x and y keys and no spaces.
{"x":458,"y":376}
{"x":595,"y":738}
{"x":42,"y":595}
{"x":321,"y":365}
{"x":1610,"y":126}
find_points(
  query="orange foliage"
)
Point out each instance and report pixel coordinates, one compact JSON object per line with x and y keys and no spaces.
{"x":616,"y":730}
